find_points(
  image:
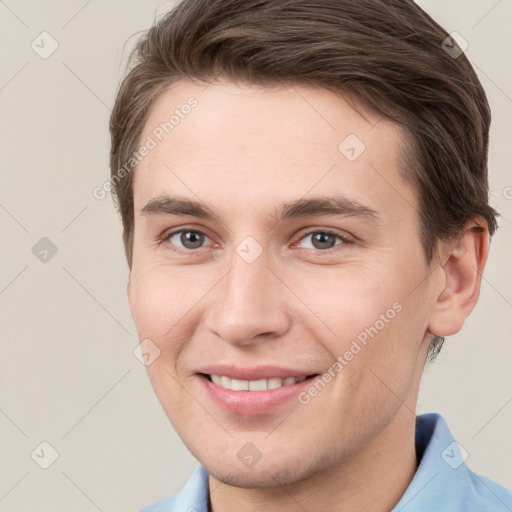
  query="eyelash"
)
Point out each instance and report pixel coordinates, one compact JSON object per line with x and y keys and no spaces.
{"x":344,"y":239}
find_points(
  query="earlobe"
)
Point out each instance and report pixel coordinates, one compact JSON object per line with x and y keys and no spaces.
{"x":463,"y":264}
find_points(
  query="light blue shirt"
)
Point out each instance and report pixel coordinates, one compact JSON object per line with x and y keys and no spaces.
{"x":442,"y":483}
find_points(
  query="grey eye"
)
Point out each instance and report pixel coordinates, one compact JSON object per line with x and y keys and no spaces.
{"x":321,"y":240}
{"x":188,"y":239}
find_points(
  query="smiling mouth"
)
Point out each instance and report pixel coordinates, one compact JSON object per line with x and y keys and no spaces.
{"x":254,"y":385}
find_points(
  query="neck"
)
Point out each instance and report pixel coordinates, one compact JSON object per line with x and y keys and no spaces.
{"x":374,"y":479}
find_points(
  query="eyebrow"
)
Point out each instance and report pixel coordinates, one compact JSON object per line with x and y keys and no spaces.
{"x":328,"y":205}
{"x":166,"y":205}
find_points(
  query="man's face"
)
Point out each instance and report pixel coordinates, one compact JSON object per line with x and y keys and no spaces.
{"x":270,"y":280}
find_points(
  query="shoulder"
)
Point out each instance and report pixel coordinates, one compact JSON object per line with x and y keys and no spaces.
{"x":443,"y":480}
{"x":485,"y":494}
{"x":192,"y":497}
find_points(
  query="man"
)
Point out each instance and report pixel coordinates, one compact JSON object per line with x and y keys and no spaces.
{"x":303,"y":188}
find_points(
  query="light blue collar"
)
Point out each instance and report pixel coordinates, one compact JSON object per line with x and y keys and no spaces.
{"x":442,"y":483}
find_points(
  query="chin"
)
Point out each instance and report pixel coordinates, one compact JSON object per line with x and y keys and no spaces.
{"x":264,"y":474}
{"x":253,"y":478}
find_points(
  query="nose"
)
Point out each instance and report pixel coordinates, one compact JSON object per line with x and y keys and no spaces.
{"x":249,"y":304}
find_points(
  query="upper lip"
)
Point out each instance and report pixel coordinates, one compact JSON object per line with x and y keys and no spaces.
{"x":253,"y":373}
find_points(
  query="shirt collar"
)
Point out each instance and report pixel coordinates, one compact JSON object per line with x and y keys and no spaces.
{"x":443,"y":482}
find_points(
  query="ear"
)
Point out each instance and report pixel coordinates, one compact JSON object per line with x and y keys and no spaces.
{"x":462,"y":265}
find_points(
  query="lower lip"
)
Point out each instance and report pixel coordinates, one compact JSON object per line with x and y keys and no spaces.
{"x":253,"y":402}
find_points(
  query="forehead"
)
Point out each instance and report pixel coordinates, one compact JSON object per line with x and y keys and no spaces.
{"x":269,"y":145}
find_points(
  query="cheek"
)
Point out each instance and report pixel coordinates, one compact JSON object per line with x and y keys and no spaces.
{"x":344,"y":304}
{"x":161,"y":304}
{"x":162,"y":308}
{"x":371,"y":321}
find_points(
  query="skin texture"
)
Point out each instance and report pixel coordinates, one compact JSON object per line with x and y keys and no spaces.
{"x":244,"y":151}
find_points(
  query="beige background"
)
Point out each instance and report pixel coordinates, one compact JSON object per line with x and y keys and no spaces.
{"x":68,"y":375}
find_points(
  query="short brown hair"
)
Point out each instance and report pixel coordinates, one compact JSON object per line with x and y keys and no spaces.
{"x":386,"y":53}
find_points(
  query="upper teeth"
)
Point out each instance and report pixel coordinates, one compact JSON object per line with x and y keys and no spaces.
{"x":254,"y":385}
